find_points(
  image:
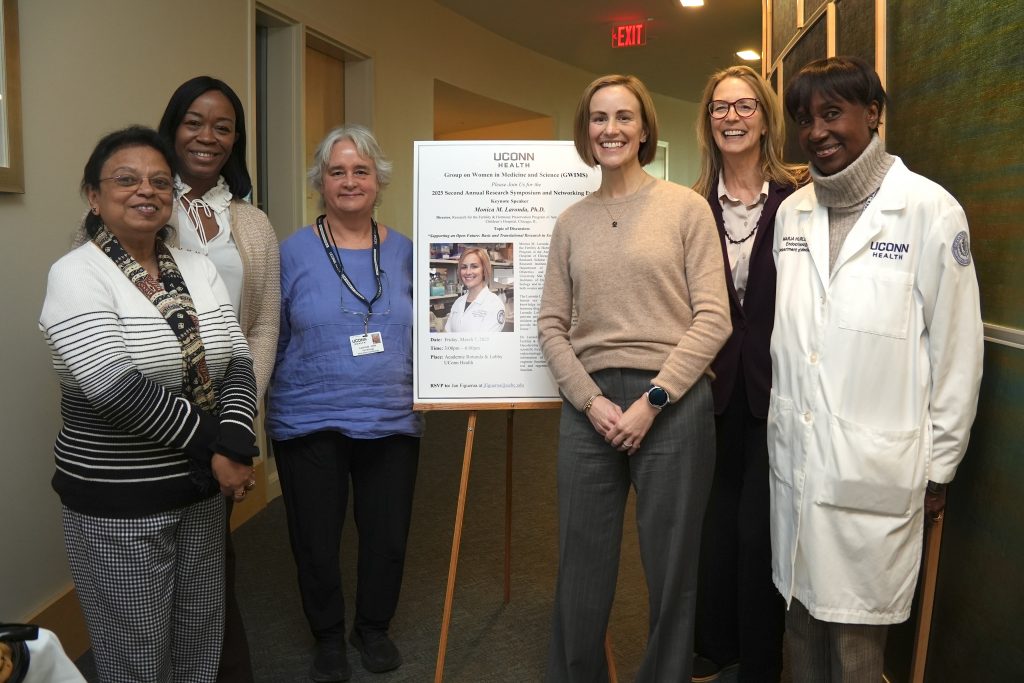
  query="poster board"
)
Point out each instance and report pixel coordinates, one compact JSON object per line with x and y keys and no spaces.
{"x":502,"y":197}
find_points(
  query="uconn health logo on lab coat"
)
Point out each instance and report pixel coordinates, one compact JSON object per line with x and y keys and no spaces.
{"x":893,"y":251}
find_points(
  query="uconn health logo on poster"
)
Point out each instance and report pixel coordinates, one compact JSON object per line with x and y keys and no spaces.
{"x":893,"y":251}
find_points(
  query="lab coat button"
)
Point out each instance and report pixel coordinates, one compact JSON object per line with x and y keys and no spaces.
{"x":813,"y":358}
{"x":807,"y":417}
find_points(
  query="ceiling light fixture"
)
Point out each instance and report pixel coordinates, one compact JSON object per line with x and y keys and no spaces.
{"x":748,"y":55}
{"x":691,"y":3}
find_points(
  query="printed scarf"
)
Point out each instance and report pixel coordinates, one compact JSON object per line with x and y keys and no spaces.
{"x":171,"y":297}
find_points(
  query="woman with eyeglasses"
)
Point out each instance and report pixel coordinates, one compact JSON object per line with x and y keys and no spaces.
{"x":204,"y":124}
{"x":158,"y":396}
{"x":340,"y":407}
{"x":740,"y":132}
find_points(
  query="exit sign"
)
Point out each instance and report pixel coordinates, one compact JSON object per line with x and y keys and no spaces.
{"x":629,"y":35}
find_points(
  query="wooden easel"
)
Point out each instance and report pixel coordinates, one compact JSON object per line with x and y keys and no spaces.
{"x":460,"y":509}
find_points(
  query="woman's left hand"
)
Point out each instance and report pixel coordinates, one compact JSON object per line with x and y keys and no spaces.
{"x":632,"y":427}
{"x":934,"y":502}
{"x":235,"y":479}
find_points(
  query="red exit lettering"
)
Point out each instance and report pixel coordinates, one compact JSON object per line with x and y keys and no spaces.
{"x":629,"y":35}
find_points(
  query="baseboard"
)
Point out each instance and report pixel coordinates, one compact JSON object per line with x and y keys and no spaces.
{"x":273,"y":486}
{"x":64,"y":617}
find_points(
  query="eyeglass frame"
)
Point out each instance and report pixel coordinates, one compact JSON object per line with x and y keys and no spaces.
{"x":116,"y":178}
{"x":732,"y":105}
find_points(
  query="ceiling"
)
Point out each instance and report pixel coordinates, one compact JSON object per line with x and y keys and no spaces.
{"x":456,"y":109}
{"x":684,"y":45}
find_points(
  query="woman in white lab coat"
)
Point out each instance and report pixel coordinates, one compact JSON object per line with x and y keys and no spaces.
{"x":876,"y":366}
{"x":478,"y":310}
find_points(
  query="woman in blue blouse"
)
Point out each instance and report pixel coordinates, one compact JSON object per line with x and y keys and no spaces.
{"x":341,"y":402}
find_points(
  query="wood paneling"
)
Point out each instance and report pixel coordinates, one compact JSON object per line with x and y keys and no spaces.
{"x":784,"y":25}
{"x":855,"y":29}
{"x":956,"y":117}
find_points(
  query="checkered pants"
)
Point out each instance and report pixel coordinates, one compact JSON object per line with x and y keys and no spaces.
{"x":152,"y":590}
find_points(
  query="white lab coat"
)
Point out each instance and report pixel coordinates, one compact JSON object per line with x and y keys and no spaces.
{"x":876,"y":370}
{"x":485,"y":314}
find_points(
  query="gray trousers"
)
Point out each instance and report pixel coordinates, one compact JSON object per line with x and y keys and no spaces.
{"x":829,"y":652}
{"x":672,"y":474}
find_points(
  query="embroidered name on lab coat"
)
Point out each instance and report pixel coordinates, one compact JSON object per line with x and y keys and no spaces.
{"x":794,"y":243}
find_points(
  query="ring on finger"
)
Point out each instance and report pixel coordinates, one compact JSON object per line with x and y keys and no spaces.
{"x":627,"y":444}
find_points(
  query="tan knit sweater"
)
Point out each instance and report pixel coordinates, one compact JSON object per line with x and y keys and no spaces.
{"x":260,"y":317}
{"x":649,"y":294}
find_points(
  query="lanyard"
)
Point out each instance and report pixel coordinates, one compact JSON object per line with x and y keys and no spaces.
{"x":339,"y":268}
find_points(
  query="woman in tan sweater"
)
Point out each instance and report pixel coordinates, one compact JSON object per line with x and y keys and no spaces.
{"x":640,"y":264}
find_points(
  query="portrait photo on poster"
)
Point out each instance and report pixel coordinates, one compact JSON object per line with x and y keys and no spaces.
{"x":472,"y":287}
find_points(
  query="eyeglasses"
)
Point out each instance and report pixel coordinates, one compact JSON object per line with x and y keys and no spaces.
{"x":128,"y":181}
{"x":745,"y":108}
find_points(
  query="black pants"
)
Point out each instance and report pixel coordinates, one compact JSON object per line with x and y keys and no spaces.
{"x":740,"y":614}
{"x":315,"y":472}
{"x":235,"y":662}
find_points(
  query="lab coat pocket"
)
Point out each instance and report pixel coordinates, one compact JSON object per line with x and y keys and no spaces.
{"x":877,"y":302}
{"x":873,"y":470}
{"x":785,"y":437}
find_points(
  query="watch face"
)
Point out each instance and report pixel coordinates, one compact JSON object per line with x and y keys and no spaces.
{"x":657,"y":397}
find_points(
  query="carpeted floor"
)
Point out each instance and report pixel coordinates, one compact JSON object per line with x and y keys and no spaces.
{"x":488,"y":641}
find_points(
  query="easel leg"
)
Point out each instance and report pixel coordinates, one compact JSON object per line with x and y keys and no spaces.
{"x":613,"y":676}
{"x":467,"y":458}
{"x":508,"y":507}
{"x":933,"y":541}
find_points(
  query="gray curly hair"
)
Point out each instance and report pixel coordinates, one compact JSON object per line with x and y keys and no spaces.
{"x":367,"y":147}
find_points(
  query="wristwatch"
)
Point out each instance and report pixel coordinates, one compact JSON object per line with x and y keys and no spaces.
{"x":657,"y":397}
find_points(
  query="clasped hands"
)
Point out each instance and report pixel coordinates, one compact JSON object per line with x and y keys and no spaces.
{"x":235,"y":479}
{"x":624,"y":431}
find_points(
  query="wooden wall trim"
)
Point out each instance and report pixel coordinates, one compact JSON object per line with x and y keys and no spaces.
{"x":811,"y":20}
{"x":830,"y":29}
{"x":766,"y":36}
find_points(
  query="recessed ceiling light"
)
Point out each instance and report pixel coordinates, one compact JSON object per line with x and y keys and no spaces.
{"x":748,"y":55}
{"x":691,"y":3}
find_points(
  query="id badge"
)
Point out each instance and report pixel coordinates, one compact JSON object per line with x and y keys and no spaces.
{"x":363,"y":344}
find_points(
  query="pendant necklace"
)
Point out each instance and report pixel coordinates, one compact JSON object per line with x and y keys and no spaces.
{"x":615,"y":221}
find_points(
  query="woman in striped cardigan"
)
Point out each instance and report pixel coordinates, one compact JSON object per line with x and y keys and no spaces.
{"x":157,"y":399}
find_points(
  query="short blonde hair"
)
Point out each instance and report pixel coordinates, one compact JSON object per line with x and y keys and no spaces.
{"x":581,"y":131}
{"x":485,"y":262}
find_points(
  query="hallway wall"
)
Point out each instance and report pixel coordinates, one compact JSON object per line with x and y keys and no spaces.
{"x":88,"y":68}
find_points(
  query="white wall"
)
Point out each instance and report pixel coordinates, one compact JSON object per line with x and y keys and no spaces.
{"x":87,"y":68}
{"x":90,"y":67}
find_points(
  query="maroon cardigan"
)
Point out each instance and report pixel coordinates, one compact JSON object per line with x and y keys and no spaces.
{"x":752,"y":320}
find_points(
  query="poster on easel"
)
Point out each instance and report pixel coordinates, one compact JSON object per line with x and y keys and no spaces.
{"x":482,"y":218}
